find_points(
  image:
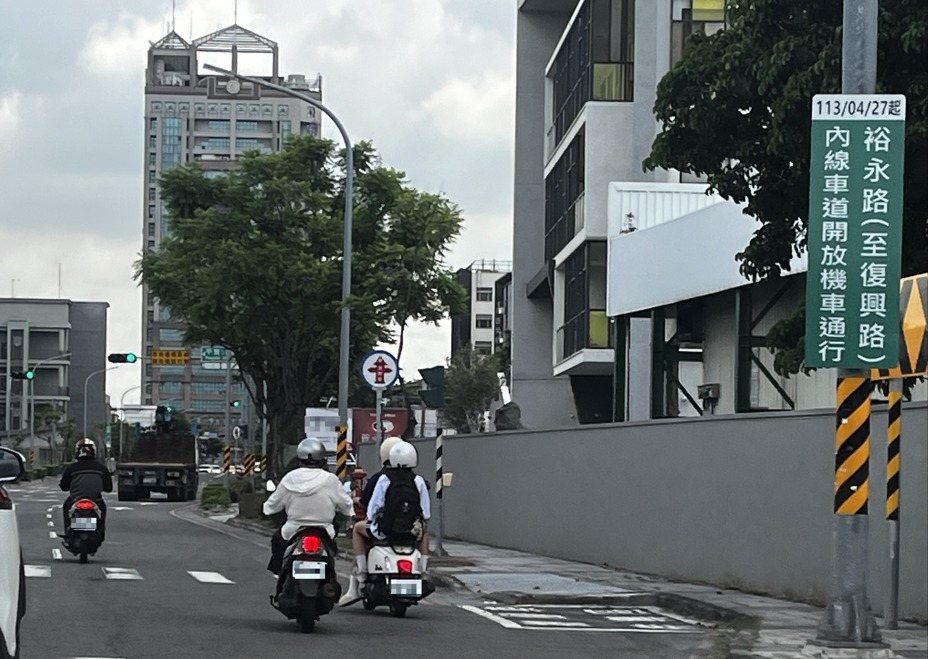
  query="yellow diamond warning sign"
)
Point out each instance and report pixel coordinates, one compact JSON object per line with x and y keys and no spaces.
{"x":913,"y":319}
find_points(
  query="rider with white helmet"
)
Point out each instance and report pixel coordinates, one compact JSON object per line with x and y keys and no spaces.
{"x":310,"y":495}
{"x":361,"y":540}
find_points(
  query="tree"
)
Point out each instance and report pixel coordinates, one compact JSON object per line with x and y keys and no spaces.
{"x":471,"y":385}
{"x":253,"y":263}
{"x":736,"y":109}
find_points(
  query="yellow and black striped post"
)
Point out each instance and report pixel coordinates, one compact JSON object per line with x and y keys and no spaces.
{"x":852,"y":445}
{"x":262,"y":463}
{"x":893,"y":466}
{"x":249,"y":464}
{"x":341,"y":454}
{"x":848,"y":618}
{"x":226,"y":459}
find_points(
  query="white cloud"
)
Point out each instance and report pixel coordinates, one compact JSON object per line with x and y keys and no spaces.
{"x":477,"y":107}
{"x":9,"y":114}
{"x":118,"y":47}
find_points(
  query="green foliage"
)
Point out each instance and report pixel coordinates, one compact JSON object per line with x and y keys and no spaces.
{"x":254,"y":264}
{"x":471,"y":385}
{"x":215,"y":495}
{"x":736,"y":109}
{"x":239,"y":486}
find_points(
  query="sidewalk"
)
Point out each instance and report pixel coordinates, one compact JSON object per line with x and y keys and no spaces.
{"x":763,"y":627}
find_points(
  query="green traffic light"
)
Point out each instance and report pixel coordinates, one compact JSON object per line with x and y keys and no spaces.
{"x":236,"y":403}
{"x":30,"y":375}
{"x":131,"y":357}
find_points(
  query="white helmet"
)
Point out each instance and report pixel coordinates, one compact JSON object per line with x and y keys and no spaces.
{"x":385,"y":447}
{"x":85,"y":448}
{"x":403,"y":455}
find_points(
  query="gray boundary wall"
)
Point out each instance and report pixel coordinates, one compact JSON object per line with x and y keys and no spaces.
{"x":741,"y":501}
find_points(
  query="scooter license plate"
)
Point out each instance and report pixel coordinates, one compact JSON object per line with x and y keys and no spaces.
{"x":84,"y":523}
{"x":406,"y":587}
{"x":308,"y":570}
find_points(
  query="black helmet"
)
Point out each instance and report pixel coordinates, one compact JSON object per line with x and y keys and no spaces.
{"x":85,"y":448}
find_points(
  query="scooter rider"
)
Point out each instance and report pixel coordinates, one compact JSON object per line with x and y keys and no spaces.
{"x":361,"y":540}
{"x":310,"y":495}
{"x":403,"y":458}
{"x":85,"y":478}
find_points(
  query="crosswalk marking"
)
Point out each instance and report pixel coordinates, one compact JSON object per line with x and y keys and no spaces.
{"x":208,"y":577}
{"x":56,"y":554}
{"x":121,"y":574}
{"x":40,"y":571}
{"x":587,"y":618}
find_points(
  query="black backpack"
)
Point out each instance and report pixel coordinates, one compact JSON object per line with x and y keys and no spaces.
{"x":401,"y":508}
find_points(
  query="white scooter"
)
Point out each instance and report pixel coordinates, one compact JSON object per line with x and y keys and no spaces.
{"x":395,"y":578}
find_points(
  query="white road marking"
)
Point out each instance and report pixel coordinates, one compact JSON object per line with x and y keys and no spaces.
{"x":52,"y":535}
{"x":208,"y":577}
{"x":50,"y":509}
{"x":556,"y":623}
{"x":121,"y":508}
{"x":535,"y":616}
{"x":48,"y":515}
{"x":148,"y":503}
{"x":56,"y":554}
{"x":490,"y":616}
{"x":121,"y":574}
{"x":51,"y":524}
{"x":632,"y":619}
{"x":42,"y":571}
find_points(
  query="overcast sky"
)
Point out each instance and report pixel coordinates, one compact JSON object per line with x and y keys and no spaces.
{"x":429,"y":81}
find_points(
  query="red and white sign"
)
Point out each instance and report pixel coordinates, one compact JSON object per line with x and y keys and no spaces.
{"x":379,"y":369}
{"x":364,"y":424}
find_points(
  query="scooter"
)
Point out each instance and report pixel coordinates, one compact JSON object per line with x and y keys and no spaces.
{"x":395,"y":577}
{"x":307,"y":587}
{"x":83,"y":537}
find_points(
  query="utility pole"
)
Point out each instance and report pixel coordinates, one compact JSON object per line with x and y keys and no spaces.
{"x":228,"y":401}
{"x":848,"y":620}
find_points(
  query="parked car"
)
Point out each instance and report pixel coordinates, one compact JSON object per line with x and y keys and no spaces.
{"x":12,"y":571}
{"x":204,"y":469}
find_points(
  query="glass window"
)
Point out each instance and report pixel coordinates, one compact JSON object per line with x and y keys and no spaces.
{"x":170,"y":334}
{"x":171,"y":370}
{"x":246,"y":126}
{"x":171,"y":387}
{"x":152,"y":141}
{"x":483,"y":347}
{"x":151,"y":316}
{"x":151,"y":194}
{"x":484,"y":294}
{"x":309,"y":129}
{"x":213,"y":173}
{"x":151,"y":229}
{"x":151,"y":211}
{"x":693,"y":17}
{"x":152,"y":159}
{"x":153,"y":123}
{"x":251,"y":144}
{"x":152,"y":177}
{"x":218,"y":126}
{"x":215,"y":144}
{"x":484,"y":321}
{"x":171,"y":143}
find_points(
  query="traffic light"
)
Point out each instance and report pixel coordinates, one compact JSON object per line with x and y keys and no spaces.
{"x":23,"y":375}
{"x":236,"y":404}
{"x":434,"y":395}
{"x":122,"y":358}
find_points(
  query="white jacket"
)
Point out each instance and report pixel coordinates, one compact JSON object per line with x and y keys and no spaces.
{"x":311,"y":497}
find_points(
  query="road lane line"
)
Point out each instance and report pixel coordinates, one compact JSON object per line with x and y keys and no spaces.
{"x":52,"y":535}
{"x":121,"y":574}
{"x":535,"y":616}
{"x":51,"y":524}
{"x":503,"y":622}
{"x":208,"y":577}
{"x":556,"y":623}
{"x":56,"y":554}
{"x":48,"y":515}
{"x":41,"y":571}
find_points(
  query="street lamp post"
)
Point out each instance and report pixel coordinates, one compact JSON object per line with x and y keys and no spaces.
{"x":345,"y":331}
{"x":86,"y":381}
{"x":122,"y":409}
{"x":34,"y":370}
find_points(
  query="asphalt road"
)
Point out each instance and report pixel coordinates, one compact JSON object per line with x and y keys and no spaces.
{"x":151,"y":606}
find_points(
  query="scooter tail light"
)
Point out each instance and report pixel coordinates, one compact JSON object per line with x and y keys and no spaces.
{"x":310,"y":544}
{"x":404,"y":566}
{"x":84,"y":504}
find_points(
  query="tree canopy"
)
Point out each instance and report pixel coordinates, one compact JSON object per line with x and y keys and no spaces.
{"x":736,"y":110}
{"x":471,"y":385}
{"x":253,"y":263}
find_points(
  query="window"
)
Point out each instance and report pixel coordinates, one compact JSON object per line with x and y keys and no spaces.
{"x":151,"y":211}
{"x":483,"y":347}
{"x":148,"y":334}
{"x":218,"y":126}
{"x":251,"y":144}
{"x":246,"y":126}
{"x":153,"y":123}
{"x":564,"y":188}
{"x":151,"y":229}
{"x":310,"y":129}
{"x":214,"y":144}
{"x":152,"y":177}
{"x":171,"y":143}
{"x":171,"y":387}
{"x":694,"y":17}
{"x":585,"y":321}
{"x":148,"y":370}
{"x":152,"y":159}
{"x":208,"y":405}
{"x":152,"y":141}
{"x":484,"y":295}
{"x":151,"y":194}
{"x":171,"y":370}
{"x":484,"y":321}
{"x":170,"y":335}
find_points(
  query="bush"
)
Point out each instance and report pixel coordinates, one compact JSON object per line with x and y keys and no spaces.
{"x":215,"y":495}
{"x":239,"y":486}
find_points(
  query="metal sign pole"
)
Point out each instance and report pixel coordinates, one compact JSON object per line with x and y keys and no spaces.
{"x":439,"y":494}
{"x":379,"y":415}
{"x":893,"y":468}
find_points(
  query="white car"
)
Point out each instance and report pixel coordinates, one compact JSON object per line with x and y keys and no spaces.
{"x":12,"y":580}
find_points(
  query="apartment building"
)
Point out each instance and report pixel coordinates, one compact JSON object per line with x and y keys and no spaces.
{"x":478,"y":326}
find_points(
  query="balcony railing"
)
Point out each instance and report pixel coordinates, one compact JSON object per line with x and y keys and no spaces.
{"x":588,"y":329}
{"x":566,"y":227}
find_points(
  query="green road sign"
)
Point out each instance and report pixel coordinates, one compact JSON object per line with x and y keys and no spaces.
{"x":213,"y":354}
{"x":855,"y":230}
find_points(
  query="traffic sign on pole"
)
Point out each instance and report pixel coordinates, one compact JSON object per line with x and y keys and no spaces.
{"x":379,"y":369}
{"x":913,"y":329}
{"x":174,"y":357}
{"x":213,"y":354}
{"x":854,"y":230}
{"x":236,"y":432}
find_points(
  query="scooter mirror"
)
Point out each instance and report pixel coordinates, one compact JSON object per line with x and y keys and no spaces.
{"x":270,"y":487}
{"x":347,"y":486}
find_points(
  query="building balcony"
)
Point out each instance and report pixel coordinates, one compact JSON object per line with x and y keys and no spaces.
{"x":584,"y":345}
{"x":671,"y":242}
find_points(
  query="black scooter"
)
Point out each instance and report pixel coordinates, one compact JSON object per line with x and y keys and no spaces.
{"x":307,"y":587}
{"x":83,"y":537}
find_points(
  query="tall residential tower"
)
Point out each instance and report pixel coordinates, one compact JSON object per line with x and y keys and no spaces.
{"x":195,"y":116}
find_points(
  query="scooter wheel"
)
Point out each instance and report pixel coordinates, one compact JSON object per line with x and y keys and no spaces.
{"x":307,"y":616}
{"x":398,"y":610}
{"x":368,"y":604}
{"x":83,"y":557}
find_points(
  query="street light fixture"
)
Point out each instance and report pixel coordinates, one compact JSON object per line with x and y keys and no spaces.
{"x":86,"y":381}
{"x":345,"y":330}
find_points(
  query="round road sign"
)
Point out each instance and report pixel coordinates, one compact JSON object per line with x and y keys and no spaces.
{"x":236,"y":432}
{"x":379,"y":369}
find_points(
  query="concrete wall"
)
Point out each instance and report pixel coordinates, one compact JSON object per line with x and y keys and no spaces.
{"x":741,"y":501}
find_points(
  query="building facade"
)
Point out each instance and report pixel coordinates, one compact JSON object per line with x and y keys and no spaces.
{"x":63,"y":342}
{"x":479,"y":325}
{"x":192,"y":115}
